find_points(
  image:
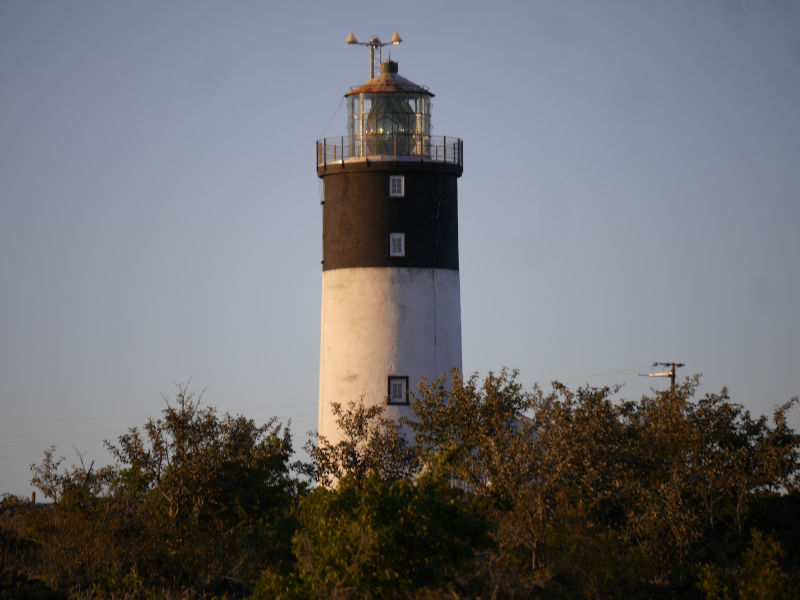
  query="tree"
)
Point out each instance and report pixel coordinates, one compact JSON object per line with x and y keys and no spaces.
{"x":589,"y":494}
{"x":197,"y":462}
{"x":78,"y":484}
{"x":381,"y":539}
{"x":17,"y":586}
{"x":193,"y":500}
{"x":493,"y":443}
{"x":483,"y":425}
{"x":506,"y":493}
{"x":760,"y":577}
{"x":223,"y":486}
{"x":370,"y":442}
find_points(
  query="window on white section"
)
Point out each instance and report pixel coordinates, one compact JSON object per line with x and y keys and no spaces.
{"x":397,"y":244}
{"x":397,"y":185}
{"x":398,"y":390}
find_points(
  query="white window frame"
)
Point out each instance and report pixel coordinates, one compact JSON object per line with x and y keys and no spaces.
{"x":401,"y":380}
{"x":393,"y":250}
{"x":394,"y":180}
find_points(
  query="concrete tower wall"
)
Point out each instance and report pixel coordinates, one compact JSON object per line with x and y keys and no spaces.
{"x":387,"y":316}
{"x":379,"y":322}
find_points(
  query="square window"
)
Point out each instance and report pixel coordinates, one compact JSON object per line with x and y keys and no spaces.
{"x":397,"y":185}
{"x":397,"y":244}
{"x":398,"y":390}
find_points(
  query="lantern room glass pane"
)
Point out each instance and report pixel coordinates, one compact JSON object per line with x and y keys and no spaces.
{"x":388,"y":123}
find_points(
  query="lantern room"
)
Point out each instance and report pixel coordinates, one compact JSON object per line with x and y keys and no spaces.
{"x":389,"y":118}
{"x":389,"y":115}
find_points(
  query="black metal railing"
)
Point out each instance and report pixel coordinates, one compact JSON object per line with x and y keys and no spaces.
{"x":339,"y":150}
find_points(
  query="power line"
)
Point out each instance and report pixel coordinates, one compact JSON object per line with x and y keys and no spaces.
{"x":144,"y":416}
{"x":585,"y":377}
{"x":39,"y":456}
{"x":40,"y":443}
{"x":5,"y":435}
{"x":297,"y":419}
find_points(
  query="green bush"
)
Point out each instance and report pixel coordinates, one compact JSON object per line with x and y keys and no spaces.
{"x":382,"y":539}
{"x":17,"y":586}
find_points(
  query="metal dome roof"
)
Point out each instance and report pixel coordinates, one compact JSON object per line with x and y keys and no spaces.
{"x":388,"y":82}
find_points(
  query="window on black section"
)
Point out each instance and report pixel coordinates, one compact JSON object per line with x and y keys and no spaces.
{"x":397,"y":185}
{"x":397,"y":244}
{"x":398,"y":390}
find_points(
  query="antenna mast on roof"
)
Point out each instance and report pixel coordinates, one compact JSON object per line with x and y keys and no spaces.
{"x":375,"y":46}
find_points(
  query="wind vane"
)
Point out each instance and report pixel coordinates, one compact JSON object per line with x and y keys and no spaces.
{"x":375,"y":46}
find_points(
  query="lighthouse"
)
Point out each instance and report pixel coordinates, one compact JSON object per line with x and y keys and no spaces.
{"x":391,"y":301}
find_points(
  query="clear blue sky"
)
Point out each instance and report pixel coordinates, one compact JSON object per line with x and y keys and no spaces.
{"x":631,"y":193}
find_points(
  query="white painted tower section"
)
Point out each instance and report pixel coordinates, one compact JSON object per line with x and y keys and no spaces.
{"x":382,"y":322}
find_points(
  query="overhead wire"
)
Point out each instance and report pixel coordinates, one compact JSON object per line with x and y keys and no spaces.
{"x":146,"y":416}
{"x":333,"y":117}
{"x":91,"y":452}
{"x":574,"y":378}
{"x":72,"y":442}
{"x":5,"y":435}
{"x":301,"y":418}
{"x":337,"y":109}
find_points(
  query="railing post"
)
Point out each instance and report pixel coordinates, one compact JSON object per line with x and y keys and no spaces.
{"x":325,"y":153}
{"x":343,"y":152}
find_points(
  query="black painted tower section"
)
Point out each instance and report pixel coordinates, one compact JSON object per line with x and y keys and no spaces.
{"x":359,"y":214}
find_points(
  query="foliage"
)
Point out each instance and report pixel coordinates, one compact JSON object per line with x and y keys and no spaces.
{"x":199,"y":463}
{"x":17,"y":586}
{"x":194,"y":501}
{"x":590,"y":495}
{"x":760,"y":577}
{"x":381,"y":539}
{"x":505,"y":493}
{"x":78,"y":484}
{"x":483,"y":425}
{"x":370,"y":442}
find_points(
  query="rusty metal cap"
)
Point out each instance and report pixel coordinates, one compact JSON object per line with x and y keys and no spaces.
{"x":389,"y":81}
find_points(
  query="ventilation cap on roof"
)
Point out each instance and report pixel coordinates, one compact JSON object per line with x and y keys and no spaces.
{"x":389,"y":67}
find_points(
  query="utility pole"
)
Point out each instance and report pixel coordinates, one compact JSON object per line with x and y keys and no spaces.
{"x":671,"y":373}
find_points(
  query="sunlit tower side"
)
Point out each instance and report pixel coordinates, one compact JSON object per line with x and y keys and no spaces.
{"x":391,"y":299}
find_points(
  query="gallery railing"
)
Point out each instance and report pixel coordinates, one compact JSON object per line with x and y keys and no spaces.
{"x":401,"y":146}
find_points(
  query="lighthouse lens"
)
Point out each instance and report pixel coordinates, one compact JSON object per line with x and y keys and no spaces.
{"x":388,"y":123}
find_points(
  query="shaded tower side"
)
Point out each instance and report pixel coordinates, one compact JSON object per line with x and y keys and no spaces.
{"x":391,"y":306}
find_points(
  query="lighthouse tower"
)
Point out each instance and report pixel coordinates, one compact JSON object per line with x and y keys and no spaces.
{"x":391,"y":307}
